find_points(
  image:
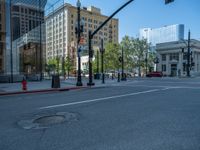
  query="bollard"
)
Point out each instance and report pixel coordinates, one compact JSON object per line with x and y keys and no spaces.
{"x":118,"y":77}
{"x":24,"y":85}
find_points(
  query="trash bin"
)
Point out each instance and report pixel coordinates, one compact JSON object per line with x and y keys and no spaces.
{"x":55,"y":81}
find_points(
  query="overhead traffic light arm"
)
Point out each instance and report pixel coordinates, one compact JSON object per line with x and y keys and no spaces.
{"x":168,"y":1}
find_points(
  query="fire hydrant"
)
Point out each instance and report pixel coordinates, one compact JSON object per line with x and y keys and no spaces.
{"x":24,"y":85}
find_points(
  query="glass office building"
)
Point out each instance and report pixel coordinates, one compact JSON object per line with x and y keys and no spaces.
{"x":24,"y":32}
{"x":164,"y":34}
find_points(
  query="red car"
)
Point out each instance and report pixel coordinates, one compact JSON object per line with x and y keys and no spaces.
{"x":154,"y":74}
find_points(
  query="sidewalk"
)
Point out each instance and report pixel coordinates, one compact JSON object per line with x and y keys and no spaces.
{"x":45,"y":86}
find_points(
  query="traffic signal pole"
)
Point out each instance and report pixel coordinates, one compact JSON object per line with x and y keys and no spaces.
{"x":91,"y":35}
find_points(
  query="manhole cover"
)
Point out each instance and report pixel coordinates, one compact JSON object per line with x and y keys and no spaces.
{"x":45,"y":121}
{"x":50,"y":120}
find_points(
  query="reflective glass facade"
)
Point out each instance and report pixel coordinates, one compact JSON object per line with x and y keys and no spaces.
{"x":163,"y":34}
{"x":25,"y":37}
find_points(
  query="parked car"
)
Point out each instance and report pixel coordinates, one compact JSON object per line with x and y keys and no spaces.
{"x":155,"y":74}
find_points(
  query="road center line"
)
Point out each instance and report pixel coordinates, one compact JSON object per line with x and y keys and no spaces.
{"x":101,"y":99}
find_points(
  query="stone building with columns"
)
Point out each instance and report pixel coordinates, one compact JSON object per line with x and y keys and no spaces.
{"x":172,"y":58}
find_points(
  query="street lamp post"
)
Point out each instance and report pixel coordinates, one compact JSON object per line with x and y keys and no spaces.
{"x":78,"y":32}
{"x":91,"y":35}
{"x":146,"y":61}
{"x":11,"y":49}
{"x":97,"y":73}
{"x":63,"y":55}
{"x":146,"y":55}
{"x":122,"y":61}
{"x":41,"y":52}
{"x":156,"y":61}
{"x":102,"y":61}
{"x":188,"y":56}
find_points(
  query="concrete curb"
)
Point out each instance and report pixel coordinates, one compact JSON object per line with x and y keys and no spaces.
{"x":42,"y":91}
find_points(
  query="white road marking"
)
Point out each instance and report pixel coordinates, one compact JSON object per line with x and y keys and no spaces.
{"x":143,"y":85}
{"x":102,"y":99}
{"x":158,"y":86}
{"x":175,"y":82}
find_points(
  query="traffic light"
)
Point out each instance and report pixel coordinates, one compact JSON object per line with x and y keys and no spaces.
{"x":120,"y":59}
{"x":168,"y":1}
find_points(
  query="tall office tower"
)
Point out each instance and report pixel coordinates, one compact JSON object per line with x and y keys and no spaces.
{"x":164,"y":34}
{"x":2,"y":35}
{"x":26,"y":15}
{"x":60,"y":30}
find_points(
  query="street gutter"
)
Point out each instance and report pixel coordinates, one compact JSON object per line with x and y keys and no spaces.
{"x":42,"y":91}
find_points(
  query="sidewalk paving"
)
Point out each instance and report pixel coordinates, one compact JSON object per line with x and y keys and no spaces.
{"x":45,"y":86}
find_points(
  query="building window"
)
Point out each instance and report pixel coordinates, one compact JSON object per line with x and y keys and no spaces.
{"x":90,"y":20}
{"x":184,"y":56}
{"x":163,"y":57}
{"x":90,"y":25}
{"x":184,"y":67}
{"x":1,"y":64}
{"x":16,"y":8}
{"x":1,"y":50}
{"x":164,"y":68}
{"x":174,"y":56}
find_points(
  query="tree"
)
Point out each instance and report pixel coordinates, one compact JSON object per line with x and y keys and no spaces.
{"x":135,"y":52}
{"x":140,"y":50}
{"x":151,"y":58}
{"x":111,"y":57}
{"x":51,"y":66}
{"x":127,"y":45}
{"x":68,"y":65}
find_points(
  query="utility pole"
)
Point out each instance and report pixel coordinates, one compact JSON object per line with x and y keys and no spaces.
{"x":188,"y":56}
{"x":91,"y":35}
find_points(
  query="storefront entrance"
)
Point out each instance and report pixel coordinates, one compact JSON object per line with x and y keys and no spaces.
{"x":173,"y":70}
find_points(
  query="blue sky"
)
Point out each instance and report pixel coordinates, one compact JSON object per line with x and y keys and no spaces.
{"x":149,"y":13}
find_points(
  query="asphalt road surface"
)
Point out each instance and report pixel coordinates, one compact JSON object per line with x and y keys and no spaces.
{"x":142,"y":114}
